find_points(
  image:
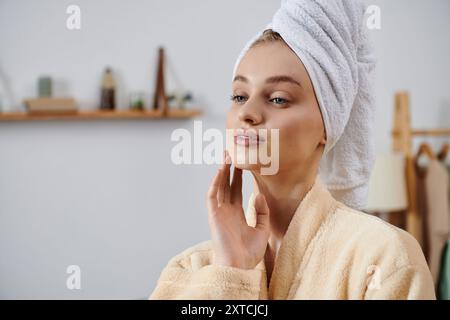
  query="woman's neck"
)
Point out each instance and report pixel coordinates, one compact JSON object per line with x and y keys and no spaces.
{"x":283,"y":192}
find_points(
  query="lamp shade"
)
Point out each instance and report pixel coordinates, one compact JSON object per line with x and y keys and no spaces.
{"x":387,"y":185}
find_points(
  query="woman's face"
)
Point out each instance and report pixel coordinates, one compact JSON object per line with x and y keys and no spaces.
{"x":272,"y":90}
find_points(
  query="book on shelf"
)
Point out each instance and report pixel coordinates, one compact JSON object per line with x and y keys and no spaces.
{"x":51,"y":105}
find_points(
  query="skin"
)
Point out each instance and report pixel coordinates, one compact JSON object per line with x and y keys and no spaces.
{"x":291,"y":107}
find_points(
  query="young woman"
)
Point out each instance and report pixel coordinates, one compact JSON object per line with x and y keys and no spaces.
{"x":307,"y":76}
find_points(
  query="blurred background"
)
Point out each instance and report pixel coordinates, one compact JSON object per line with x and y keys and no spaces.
{"x":104,"y":194}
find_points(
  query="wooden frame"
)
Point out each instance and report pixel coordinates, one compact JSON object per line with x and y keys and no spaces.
{"x":402,"y":137}
{"x":160,"y":99}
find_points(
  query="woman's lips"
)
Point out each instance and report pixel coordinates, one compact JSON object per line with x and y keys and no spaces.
{"x":247,"y":138}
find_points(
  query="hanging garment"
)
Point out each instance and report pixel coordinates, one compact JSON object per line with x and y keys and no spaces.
{"x":444,"y":278}
{"x":422,"y":208}
{"x":329,"y":251}
{"x":437,"y":217}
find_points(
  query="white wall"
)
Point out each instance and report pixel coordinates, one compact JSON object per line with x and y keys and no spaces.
{"x":104,"y":195}
{"x":413,"y":49}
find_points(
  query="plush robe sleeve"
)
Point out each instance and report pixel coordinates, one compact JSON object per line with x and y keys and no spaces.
{"x":193,"y":277}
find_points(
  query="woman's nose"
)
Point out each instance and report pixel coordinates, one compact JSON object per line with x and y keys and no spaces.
{"x":250,"y":112}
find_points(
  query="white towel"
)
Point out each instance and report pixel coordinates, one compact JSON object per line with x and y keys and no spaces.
{"x":330,"y":38}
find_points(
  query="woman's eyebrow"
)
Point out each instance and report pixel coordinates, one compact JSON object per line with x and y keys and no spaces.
{"x":274,"y":79}
{"x":277,"y":79}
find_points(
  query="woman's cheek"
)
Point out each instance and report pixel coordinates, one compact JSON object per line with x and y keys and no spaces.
{"x":230,"y":119}
{"x":292,"y":137}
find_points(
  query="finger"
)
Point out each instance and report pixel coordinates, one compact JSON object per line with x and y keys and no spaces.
{"x":226,"y":182}
{"x":220,"y":192}
{"x":236,"y":186}
{"x":262,"y":213}
{"x":212,"y":192}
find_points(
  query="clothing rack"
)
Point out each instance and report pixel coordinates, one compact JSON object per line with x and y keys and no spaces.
{"x":403,"y":135}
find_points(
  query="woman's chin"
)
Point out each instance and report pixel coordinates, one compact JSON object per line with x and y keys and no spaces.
{"x":247,"y":166}
{"x":245,"y":158}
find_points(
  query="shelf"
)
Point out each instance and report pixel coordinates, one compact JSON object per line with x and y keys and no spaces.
{"x":100,"y":115}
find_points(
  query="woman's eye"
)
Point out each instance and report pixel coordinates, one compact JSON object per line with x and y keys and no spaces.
{"x":238,"y":99}
{"x":279,"y":101}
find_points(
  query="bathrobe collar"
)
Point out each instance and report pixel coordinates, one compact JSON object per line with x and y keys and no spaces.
{"x":295,"y":247}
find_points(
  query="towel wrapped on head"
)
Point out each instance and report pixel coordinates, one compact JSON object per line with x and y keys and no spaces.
{"x":330,"y":38}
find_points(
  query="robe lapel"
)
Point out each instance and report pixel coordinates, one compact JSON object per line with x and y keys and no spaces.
{"x":303,"y":228}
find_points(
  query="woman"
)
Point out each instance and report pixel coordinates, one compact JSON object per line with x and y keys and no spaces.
{"x":307,"y":75}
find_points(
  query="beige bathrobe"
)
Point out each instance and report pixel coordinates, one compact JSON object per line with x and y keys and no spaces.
{"x":329,"y":251}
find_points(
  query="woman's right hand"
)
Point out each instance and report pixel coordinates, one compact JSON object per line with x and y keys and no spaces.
{"x":235,"y":243}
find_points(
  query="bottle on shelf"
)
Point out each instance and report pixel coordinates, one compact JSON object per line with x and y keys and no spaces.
{"x":108,"y":91}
